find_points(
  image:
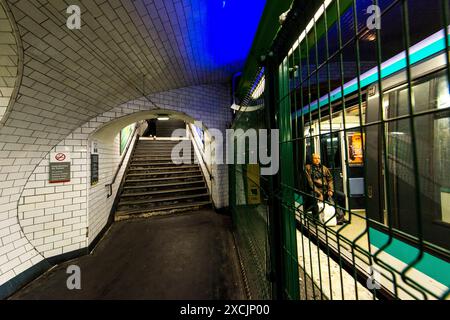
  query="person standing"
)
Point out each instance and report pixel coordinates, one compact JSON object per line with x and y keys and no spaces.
{"x":152,"y":127}
{"x":320,"y":182}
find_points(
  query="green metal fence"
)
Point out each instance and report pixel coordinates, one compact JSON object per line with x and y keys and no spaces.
{"x":248,"y":203}
{"x":381,"y":95}
{"x":373,"y":102}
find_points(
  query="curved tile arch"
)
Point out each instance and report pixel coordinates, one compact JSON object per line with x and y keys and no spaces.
{"x":46,"y":212}
{"x":11,"y":61}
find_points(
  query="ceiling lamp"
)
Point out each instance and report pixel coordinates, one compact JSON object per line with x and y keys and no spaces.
{"x":163,"y":117}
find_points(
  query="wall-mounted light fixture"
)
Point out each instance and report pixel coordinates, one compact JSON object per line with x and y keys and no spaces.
{"x":163,"y":117}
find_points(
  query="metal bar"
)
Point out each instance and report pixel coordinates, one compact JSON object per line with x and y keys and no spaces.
{"x":109,"y":185}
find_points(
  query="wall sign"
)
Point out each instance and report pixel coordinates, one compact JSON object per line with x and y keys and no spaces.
{"x":94,"y":147}
{"x":253,"y":180}
{"x":59,"y":167}
{"x":94,"y":169}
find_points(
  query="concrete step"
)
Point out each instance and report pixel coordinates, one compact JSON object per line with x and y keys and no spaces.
{"x":158,"y":169}
{"x":170,"y":173}
{"x":161,"y":157}
{"x":165,"y":185}
{"x":162,"y":199}
{"x":161,"y":161}
{"x":162,"y":149}
{"x":152,"y":193}
{"x":149,"y":143}
{"x":166,"y":153}
{"x":154,"y":141}
{"x":158,"y":160}
{"x":157,"y":145}
{"x":159,"y":142}
{"x":158,"y":165}
{"x":167,"y":209}
{"x":154,"y":152}
{"x":172,"y":178}
{"x":151,"y":158}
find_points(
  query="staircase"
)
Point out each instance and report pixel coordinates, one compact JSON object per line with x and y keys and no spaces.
{"x":154,"y":185}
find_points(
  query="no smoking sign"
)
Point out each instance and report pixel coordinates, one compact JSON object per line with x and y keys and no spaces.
{"x":60,"y":157}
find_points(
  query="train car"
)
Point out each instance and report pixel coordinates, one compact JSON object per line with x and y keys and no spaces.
{"x":392,"y":167}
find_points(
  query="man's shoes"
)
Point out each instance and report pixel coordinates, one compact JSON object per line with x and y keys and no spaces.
{"x":342,"y":221}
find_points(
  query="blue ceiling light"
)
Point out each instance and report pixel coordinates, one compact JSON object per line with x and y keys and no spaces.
{"x":222,"y":32}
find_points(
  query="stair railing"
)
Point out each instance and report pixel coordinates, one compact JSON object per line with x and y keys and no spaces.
{"x":201,"y":153}
{"x":110,"y":185}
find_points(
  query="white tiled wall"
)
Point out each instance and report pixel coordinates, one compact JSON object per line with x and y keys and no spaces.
{"x":54,"y":216}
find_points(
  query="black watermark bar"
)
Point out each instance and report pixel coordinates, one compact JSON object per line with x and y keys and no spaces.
{"x":155,"y":309}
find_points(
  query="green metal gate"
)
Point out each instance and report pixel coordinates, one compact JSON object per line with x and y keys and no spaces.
{"x":249,"y":202}
{"x":368,"y":93}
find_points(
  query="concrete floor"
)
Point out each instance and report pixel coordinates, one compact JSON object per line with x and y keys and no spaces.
{"x":185,"y":256}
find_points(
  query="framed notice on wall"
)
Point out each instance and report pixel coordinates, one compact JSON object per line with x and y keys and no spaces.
{"x":355,"y":149}
{"x":94,"y":169}
{"x":59,"y":168}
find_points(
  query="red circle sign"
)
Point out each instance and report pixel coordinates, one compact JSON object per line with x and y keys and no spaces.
{"x":60,"y":157}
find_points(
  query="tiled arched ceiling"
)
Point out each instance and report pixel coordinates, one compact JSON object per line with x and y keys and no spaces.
{"x":127,"y":47}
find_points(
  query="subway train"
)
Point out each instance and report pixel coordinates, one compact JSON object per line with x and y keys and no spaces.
{"x":393,"y":167}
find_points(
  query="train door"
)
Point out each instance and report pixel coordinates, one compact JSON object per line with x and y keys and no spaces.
{"x":339,"y":148}
{"x":331,"y":156}
{"x":342,"y":152}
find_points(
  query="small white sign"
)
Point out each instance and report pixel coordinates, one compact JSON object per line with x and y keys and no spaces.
{"x":94,"y":147}
{"x":59,"y":157}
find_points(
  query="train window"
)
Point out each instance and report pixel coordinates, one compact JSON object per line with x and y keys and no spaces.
{"x":443,"y":95}
{"x":352,"y":119}
{"x":421,"y":97}
{"x":331,"y":157}
{"x":442,"y":164}
{"x":432,"y":141}
{"x":309,"y":151}
{"x":442,"y":148}
{"x":353,"y":116}
{"x":329,"y":150}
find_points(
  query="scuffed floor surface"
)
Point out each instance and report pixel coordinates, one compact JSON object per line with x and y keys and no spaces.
{"x":186,"y":256}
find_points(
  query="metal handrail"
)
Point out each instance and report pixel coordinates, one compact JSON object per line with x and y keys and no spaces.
{"x":120,"y":164}
{"x":203,"y":158}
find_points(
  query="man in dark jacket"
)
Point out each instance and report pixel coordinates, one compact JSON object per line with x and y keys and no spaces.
{"x":320,"y":182}
{"x":152,"y":128}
